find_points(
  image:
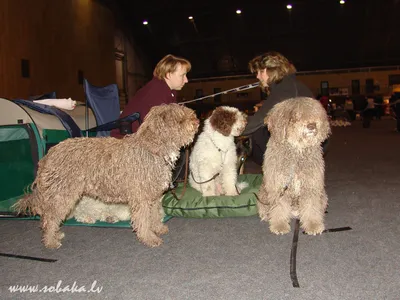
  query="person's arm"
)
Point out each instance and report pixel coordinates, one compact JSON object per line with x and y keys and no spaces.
{"x":277,"y":95}
{"x":256,"y":121}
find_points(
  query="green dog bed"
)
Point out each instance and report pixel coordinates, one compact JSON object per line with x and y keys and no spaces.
{"x":194,"y":205}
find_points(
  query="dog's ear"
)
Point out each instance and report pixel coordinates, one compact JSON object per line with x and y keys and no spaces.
{"x":148,"y":131}
{"x":166,"y":128}
{"x":153,"y":133}
{"x":293,"y":116}
{"x":325,"y":129}
{"x":222,"y":120}
{"x":277,"y":121}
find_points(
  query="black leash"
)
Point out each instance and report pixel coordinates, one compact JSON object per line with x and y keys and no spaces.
{"x":179,"y":166}
{"x":186,"y":177}
{"x":293,"y":253}
{"x":212,"y":178}
{"x":28,"y":257}
{"x":335,"y":229}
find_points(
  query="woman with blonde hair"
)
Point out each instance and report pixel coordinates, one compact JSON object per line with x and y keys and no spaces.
{"x":277,"y":78}
{"x":169,"y":76}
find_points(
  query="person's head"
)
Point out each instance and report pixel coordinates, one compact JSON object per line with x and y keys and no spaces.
{"x":173,"y":71}
{"x":271,"y":67}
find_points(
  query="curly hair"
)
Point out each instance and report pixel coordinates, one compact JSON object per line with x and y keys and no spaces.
{"x":276,"y":64}
{"x":169,"y":64}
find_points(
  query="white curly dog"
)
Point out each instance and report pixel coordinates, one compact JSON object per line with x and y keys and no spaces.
{"x":213,"y":160}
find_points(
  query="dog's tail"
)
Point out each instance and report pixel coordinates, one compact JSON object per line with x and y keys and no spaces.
{"x":26,"y":205}
{"x":241,"y":186}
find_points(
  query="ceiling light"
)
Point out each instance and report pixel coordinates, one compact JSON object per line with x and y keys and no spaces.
{"x":145,"y":22}
{"x":238,"y":11}
{"x":190,"y":18}
{"x":289,"y":6}
{"x":342,"y":2}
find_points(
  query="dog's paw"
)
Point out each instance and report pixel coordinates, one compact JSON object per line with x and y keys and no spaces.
{"x":231,"y":191}
{"x":152,"y":242}
{"x":313,"y":228}
{"x":111,"y":219}
{"x":163,"y":229}
{"x":85,"y":219}
{"x":148,"y":238}
{"x":53,"y":244}
{"x":280,"y":228}
{"x":60,"y":235}
{"x":241,"y":186}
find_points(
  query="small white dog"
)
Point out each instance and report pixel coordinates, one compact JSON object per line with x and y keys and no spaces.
{"x":89,"y":210}
{"x":213,"y":161}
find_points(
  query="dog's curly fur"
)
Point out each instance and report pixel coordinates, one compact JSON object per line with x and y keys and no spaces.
{"x":89,"y":210}
{"x":214,"y":153}
{"x":293,"y":182}
{"x":135,"y":170}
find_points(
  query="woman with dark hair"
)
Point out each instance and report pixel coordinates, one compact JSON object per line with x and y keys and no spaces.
{"x":278,"y":79}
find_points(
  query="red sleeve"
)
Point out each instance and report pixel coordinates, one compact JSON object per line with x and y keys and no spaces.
{"x":155,"y":92}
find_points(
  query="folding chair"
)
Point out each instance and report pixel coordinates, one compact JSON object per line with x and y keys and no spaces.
{"x":104,"y":102}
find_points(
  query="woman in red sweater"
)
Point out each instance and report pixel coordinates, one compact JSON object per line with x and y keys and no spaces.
{"x":169,"y":76}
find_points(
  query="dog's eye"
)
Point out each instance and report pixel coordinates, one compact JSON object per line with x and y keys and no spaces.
{"x":311,"y":126}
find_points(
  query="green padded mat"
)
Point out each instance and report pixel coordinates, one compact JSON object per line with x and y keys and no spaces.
{"x":194,"y":205}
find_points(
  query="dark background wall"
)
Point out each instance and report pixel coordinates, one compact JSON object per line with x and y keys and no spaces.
{"x":57,"y":38}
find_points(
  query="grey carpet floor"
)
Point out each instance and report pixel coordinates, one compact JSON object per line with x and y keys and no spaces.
{"x":237,"y":258}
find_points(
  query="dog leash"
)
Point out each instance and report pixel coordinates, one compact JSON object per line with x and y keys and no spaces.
{"x":212,"y":178}
{"x":293,"y":251}
{"x":28,"y":257}
{"x":295,"y":240}
{"x":185,"y":179}
{"x":238,"y":89}
{"x":293,"y":254}
{"x":222,"y":158}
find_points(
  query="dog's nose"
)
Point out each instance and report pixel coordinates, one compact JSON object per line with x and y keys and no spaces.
{"x":311,"y":126}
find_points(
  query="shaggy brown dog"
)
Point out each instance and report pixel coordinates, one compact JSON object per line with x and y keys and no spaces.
{"x":293,"y":168}
{"x":135,"y":170}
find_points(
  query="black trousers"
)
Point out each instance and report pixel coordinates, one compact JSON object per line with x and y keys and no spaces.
{"x":178,"y":173}
{"x":259,"y":141}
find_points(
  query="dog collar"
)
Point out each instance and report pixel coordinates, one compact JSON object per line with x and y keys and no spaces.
{"x":219,"y":149}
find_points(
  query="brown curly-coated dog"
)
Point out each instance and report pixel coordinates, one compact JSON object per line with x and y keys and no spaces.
{"x":135,"y":170}
{"x":293,"y":182}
